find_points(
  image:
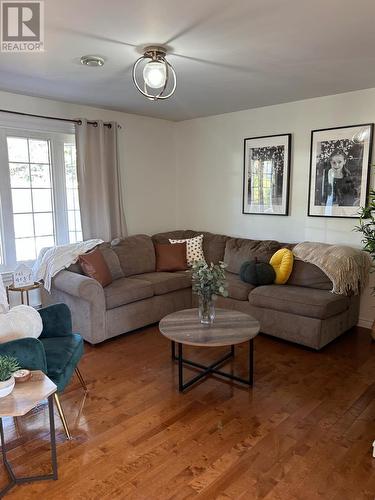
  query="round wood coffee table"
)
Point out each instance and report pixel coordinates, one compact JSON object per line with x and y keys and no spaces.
{"x":228,"y":329}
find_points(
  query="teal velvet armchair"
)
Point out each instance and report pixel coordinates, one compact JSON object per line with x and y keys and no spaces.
{"x":56,"y":352}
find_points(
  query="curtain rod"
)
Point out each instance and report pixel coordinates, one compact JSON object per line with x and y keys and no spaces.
{"x":79,"y":122}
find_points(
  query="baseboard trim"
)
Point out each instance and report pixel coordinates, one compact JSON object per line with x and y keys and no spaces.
{"x":365,"y":323}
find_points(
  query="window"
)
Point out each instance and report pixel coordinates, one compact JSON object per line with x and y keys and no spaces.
{"x":32,"y":200}
{"x":38,"y":194}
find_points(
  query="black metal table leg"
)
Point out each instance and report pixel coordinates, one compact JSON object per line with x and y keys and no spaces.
{"x":20,"y":480}
{"x":173,"y":349}
{"x":6,"y":463}
{"x":180,"y":369}
{"x":251,"y":361}
{"x":212,"y":368}
{"x":52,"y":437}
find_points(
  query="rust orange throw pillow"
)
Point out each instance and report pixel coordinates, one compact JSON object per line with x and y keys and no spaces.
{"x":94,"y":266}
{"x":171,"y":257}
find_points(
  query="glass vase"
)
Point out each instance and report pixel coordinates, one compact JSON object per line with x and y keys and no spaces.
{"x":206,"y":310}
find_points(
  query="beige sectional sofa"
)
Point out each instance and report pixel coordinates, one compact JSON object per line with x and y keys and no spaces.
{"x":302,"y":311}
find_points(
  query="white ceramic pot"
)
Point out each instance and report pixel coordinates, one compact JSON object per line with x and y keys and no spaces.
{"x":7,"y":387}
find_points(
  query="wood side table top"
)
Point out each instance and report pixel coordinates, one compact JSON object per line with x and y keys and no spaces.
{"x":229,"y":328}
{"x":26,"y":395}
{"x":25,"y":288}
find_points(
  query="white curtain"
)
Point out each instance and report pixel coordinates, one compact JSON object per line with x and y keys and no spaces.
{"x":99,"y":181}
{"x":4,"y":306}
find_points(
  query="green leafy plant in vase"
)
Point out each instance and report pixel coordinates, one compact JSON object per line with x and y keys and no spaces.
{"x":8,"y":365}
{"x":208,"y":282}
{"x":366,"y":226}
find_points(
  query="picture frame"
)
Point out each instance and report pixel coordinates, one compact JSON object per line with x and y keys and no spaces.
{"x":266,"y":175}
{"x":340,"y":160}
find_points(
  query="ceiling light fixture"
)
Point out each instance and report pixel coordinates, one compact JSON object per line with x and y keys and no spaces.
{"x":93,"y":61}
{"x":159,"y":77}
{"x":362,"y":135}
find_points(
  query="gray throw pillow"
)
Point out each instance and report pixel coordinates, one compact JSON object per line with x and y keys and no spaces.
{"x":112,"y":261}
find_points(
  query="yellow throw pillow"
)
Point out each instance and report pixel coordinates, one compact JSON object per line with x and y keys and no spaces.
{"x":282,"y":262}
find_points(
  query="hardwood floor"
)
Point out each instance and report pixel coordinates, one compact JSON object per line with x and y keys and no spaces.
{"x":304,"y":431}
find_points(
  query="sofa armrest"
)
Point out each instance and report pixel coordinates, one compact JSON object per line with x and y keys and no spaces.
{"x":28,"y":351}
{"x":86,"y":300}
{"x":78,"y":285}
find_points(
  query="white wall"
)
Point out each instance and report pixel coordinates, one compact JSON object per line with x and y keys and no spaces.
{"x":209,"y":153}
{"x":146,"y":158}
{"x":189,"y":174}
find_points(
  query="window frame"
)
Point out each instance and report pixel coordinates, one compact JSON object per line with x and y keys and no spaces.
{"x":57,"y":135}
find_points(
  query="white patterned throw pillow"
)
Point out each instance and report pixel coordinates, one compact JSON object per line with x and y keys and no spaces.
{"x":194,"y":249}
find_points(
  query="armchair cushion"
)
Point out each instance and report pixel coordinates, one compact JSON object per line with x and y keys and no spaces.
{"x":63,"y":355}
{"x":57,"y":321}
{"x":28,"y":351}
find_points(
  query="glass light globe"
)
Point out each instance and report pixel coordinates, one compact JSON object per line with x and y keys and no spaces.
{"x":154,"y":74}
{"x":361,"y":136}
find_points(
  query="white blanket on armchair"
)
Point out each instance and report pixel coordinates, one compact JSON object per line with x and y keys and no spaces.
{"x":19,"y":322}
{"x":53,"y":260}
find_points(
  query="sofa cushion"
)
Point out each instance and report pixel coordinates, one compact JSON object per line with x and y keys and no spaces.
{"x":194,"y":249}
{"x":309,"y":275}
{"x":178,"y":234}
{"x":170,"y":257}
{"x":238,"y":250}
{"x":75,"y":268}
{"x":282,"y":262}
{"x":136,"y":254}
{"x":299,"y":300}
{"x":94,"y":265}
{"x":214,"y":247}
{"x":237,"y":289}
{"x":112,"y":260}
{"x":213,"y":244}
{"x":166,"y":282}
{"x":257,"y":273}
{"x":126,"y":290}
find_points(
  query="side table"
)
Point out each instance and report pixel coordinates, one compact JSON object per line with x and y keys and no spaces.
{"x":23,"y":290}
{"x":25,"y":396}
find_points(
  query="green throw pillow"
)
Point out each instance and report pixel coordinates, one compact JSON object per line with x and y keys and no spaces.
{"x":257,"y":273}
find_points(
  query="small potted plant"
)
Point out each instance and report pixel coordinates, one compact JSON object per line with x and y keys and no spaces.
{"x":208,"y":282}
{"x":8,"y":365}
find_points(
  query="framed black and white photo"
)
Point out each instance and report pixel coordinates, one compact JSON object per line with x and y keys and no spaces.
{"x":339,"y":170}
{"x":266,"y":175}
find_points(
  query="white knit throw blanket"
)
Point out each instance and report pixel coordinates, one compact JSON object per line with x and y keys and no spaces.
{"x":53,"y":260}
{"x":347,"y":267}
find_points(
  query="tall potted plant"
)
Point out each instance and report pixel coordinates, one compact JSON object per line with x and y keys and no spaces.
{"x":208,"y":282}
{"x":366,"y":226}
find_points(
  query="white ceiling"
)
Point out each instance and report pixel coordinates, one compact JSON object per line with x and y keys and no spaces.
{"x":228,"y":55}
